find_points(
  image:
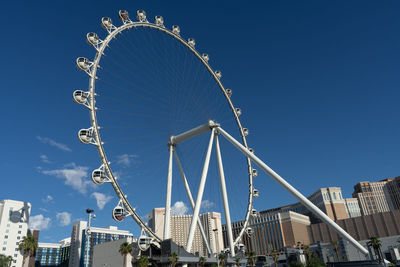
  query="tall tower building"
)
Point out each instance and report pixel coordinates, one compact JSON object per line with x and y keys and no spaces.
{"x":180,"y":227}
{"x":329,"y":200}
{"x":14,"y":218}
{"x":394,"y":192}
{"x":373,"y":197}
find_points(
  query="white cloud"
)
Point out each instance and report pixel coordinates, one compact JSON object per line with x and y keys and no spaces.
{"x":44,"y":159}
{"x":126,"y":159}
{"x":63,"y":218}
{"x":207,"y":204}
{"x":43,"y":209}
{"x":179,"y":208}
{"x":74,"y":175}
{"x":48,"y":198}
{"x":51,"y":142}
{"x":101,"y":199}
{"x":39,"y":222}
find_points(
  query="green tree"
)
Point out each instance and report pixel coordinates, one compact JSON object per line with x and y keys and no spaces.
{"x":274,"y":255}
{"x":173,"y":259}
{"x":143,"y":261}
{"x":28,"y":246}
{"x":125,"y":249}
{"x":237,"y":261}
{"x":251,"y":258}
{"x":307,"y":252}
{"x":336,"y":249}
{"x":202,"y":261}
{"x":222,"y":258}
{"x":375,"y":243}
{"x":296,"y":264}
{"x":5,"y":261}
{"x":315,"y":262}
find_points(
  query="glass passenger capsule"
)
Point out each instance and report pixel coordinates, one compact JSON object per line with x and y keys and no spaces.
{"x":159,"y":21}
{"x":245,"y":131}
{"x":255,"y":193}
{"x":144,"y":243}
{"x":118,"y":214}
{"x":80,"y":97}
{"x":85,"y":135}
{"x":191,"y":42}
{"x":99,"y":176}
{"x":176,"y":30}
{"x":83,"y":63}
{"x":141,"y":15}
{"x":206,"y":57}
{"x":218,"y":74}
{"x":92,"y":38}
{"x":228,"y":92}
{"x":254,"y":173}
{"x":254,"y":212}
{"x":238,"y":111}
{"x":106,"y":23}
{"x":123,"y":16}
{"x":249,"y":231}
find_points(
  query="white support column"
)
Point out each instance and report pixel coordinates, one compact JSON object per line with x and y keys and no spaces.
{"x":200,"y":194}
{"x":224,"y":196}
{"x":167,"y":216}
{"x":303,"y":200}
{"x":189,"y":193}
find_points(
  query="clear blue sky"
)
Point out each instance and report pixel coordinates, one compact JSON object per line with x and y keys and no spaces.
{"x":318,"y":83}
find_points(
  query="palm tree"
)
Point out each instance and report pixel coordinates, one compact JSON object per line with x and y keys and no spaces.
{"x":336,"y":248}
{"x":202,"y":261}
{"x":5,"y":260}
{"x":375,"y":243}
{"x":251,"y":258}
{"x":28,"y":245}
{"x":221,"y":258}
{"x":274,"y":254}
{"x":125,"y":249}
{"x":143,"y":261}
{"x":173,"y":259}
{"x":308,"y":252}
{"x":237,"y":261}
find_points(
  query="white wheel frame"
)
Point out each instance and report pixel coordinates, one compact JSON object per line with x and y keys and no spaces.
{"x":100,"y":46}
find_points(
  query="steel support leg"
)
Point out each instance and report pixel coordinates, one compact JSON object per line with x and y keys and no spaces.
{"x":189,"y":193}
{"x":200,"y":194}
{"x":167,"y":216}
{"x":224,"y":197}
{"x":303,"y":200}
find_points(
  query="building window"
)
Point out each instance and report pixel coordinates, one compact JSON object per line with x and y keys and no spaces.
{"x":20,"y":226}
{"x":6,"y":237}
{"x":18,"y":237}
{"x":8,"y":225}
{"x":19,"y":232}
{"x":334,"y":195}
{"x":5,"y":243}
{"x":15,"y":255}
{"x":4,"y":248}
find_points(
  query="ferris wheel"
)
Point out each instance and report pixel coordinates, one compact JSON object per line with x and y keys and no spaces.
{"x":230,"y":113}
{"x":152,"y":92}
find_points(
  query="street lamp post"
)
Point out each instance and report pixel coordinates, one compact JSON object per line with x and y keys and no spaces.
{"x":87,"y":254}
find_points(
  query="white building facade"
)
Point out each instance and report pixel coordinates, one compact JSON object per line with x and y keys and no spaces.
{"x":14,"y":219}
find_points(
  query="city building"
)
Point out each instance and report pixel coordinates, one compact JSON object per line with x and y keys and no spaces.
{"x":393,"y":187}
{"x":107,"y":254}
{"x":14,"y":218}
{"x":352,"y":207}
{"x":272,"y":231}
{"x":180,"y":226}
{"x":373,"y":197}
{"x":83,"y":241}
{"x":379,"y":225}
{"x":329,"y":200}
{"x":53,"y":254}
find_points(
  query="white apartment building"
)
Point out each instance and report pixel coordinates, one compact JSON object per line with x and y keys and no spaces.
{"x":180,"y":226}
{"x":373,"y":197}
{"x":14,"y":218}
{"x":79,"y":240}
{"x":352,"y":207}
